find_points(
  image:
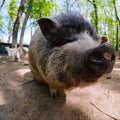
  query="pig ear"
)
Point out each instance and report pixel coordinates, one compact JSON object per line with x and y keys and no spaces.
{"x":104,"y":39}
{"x":46,"y":25}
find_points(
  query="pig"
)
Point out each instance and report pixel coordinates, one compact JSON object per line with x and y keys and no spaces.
{"x":66,"y":51}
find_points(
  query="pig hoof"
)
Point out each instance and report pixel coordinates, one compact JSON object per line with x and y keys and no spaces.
{"x":54,"y":94}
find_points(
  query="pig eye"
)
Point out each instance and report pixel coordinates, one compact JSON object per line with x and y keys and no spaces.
{"x":71,"y":40}
{"x":74,"y":39}
{"x":88,"y":32}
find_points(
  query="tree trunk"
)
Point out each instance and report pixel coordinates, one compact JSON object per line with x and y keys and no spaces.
{"x":2,"y":4}
{"x":24,"y":26}
{"x":117,"y":38}
{"x":117,"y":27}
{"x":17,"y":23}
{"x":68,"y":5}
{"x":93,"y":2}
{"x":9,"y":36}
{"x":31,"y":29}
{"x":9,"y":32}
{"x":96,"y":15}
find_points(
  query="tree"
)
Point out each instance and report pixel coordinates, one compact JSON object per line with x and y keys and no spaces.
{"x":41,"y":8}
{"x":117,"y":26}
{"x":25,"y":21}
{"x":24,"y":26}
{"x":12,"y":13}
{"x":68,"y":5}
{"x":95,"y":13}
{"x":45,"y":8}
{"x":2,"y":4}
{"x":17,"y":23}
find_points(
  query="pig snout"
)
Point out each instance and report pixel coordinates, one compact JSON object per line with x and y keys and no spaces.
{"x":104,"y":52}
{"x":104,"y":56}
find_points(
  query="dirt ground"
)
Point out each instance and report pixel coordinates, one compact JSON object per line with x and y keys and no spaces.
{"x":26,"y":99}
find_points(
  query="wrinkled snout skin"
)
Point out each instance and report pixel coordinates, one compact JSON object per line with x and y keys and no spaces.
{"x":66,"y":51}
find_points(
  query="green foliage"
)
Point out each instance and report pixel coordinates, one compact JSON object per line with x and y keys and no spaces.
{"x":42,"y":8}
{"x":107,"y":21}
{"x":12,"y":10}
{"x":12,"y":13}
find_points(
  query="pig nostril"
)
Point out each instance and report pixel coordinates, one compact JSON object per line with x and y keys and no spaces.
{"x":107,"y":56}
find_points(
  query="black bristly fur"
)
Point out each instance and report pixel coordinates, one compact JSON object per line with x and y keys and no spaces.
{"x":60,"y":29}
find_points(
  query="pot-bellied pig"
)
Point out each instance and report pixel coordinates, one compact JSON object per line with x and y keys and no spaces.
{"x":66,"y":51}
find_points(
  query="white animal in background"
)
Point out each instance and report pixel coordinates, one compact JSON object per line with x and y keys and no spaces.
{"x":24,"y":55}
{"x":12,"y":53}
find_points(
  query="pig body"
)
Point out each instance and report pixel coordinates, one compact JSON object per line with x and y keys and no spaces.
{"x":66,"y":52}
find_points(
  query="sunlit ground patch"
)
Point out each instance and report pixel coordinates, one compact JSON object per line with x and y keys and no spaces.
{"x":116,"y":69}
{"x":21,"y":72}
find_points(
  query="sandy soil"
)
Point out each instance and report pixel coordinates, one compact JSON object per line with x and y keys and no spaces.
{"x":25,"y":99}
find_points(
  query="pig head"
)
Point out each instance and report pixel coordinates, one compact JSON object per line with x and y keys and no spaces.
{"x":66,"y":51}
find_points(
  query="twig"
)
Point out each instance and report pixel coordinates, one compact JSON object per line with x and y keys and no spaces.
{"x":103,"y":111}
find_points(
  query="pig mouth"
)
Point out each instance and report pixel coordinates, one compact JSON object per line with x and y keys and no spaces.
{"x":101,"y":58}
